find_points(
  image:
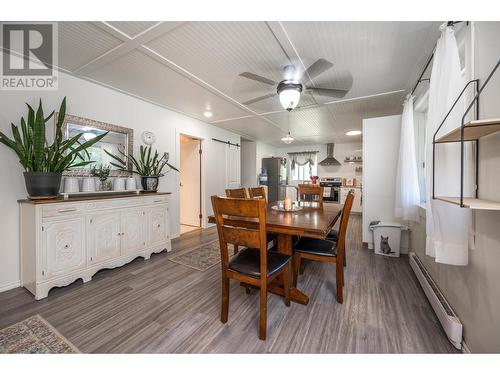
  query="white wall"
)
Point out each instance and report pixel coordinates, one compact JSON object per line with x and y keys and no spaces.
{"x":263,"y":150}
{"x":380,"y":158}
{"x":341,"y":150}
{"x":472,"y":290}
{"x":248,"y":163}
{"x":92,"y":101}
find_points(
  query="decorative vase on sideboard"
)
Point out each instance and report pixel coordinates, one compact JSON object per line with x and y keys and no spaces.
{"x":150,"y":183}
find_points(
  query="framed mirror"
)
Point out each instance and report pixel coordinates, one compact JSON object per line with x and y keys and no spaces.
{"x":118,"y":139}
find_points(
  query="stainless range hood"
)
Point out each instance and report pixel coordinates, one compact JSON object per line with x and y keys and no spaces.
{"x":329,"y":160}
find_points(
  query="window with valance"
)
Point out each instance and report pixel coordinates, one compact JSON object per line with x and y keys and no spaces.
{"x":303,"y":165}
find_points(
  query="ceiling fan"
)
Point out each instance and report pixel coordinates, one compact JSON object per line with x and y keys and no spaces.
{"x":293,"y":85}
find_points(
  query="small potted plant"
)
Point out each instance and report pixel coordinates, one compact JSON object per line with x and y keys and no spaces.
{"x":43,"y":163}
{"x":149,"y":166}
{"x":102,"y":172}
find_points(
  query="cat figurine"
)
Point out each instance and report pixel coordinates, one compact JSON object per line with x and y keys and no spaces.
{"x":384,"y":245}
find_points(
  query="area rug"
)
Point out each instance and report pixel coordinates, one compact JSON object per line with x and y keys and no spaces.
{"x":201,"y":258}
{"x":34,"y":336}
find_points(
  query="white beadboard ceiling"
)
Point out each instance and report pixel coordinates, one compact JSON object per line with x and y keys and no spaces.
{"x":191,"y":67}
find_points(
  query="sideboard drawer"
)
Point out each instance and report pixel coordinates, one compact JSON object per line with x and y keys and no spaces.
{"x":62,"y":209}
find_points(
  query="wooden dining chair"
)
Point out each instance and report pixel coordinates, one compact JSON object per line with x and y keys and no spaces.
{"x":260,"y":193}
{"x":237,"y":193}
{"x":325,"y":250}
{"x":333,"y":235}
{"x":310,"y":192}
{"x":257,"y":192}
{"x":242,"y":222}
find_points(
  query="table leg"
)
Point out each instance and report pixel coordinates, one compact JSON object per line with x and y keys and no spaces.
{"x":285,"y":247}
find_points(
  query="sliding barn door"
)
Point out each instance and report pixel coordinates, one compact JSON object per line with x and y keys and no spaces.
{"x":233,"y":172}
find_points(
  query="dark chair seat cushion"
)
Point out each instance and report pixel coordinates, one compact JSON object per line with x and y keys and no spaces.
{"x":271,"y":237}
{"x":333,"y":235}
{"x":316,"y":246}
{"x":247,"y":262}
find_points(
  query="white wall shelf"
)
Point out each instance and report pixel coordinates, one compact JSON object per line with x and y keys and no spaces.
{"x":472,"y":203}
{"x":473,"y":130}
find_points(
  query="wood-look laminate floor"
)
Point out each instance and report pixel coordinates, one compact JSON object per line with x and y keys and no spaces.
{"x":158,"y":306}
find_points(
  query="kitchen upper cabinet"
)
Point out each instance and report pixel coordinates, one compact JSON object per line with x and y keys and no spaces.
{"x":103,"y":237}
{"x":63,"y":245}
{"x":133,"y":231}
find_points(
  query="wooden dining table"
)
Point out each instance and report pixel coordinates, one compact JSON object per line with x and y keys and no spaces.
{"x":312,"y":220}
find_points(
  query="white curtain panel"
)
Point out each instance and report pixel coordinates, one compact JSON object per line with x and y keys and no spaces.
{"x":447,"y":225}
{"x":407,"y":191}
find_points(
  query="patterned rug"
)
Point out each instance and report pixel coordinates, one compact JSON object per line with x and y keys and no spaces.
{"x":34,"y":336}
{"x":201,"y":258}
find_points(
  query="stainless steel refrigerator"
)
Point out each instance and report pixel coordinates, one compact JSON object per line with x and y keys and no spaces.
{"x":276,"y":178}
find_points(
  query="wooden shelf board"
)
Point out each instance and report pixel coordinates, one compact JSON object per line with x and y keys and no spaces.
{"x":472,"y":130}
{"x":472,"y":203}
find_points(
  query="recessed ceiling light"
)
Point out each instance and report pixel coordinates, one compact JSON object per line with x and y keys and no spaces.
{"x":208,"y":114}
{"x":353,"y":132}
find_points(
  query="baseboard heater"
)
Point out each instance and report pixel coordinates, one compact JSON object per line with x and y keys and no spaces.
{"x":449,"y":320}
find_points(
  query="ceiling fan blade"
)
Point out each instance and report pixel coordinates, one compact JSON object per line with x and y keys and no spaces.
{"x":317,"y":67}
{"x":334,"y":93}
{"x":254,"y":100}
{"x":256,"y":77}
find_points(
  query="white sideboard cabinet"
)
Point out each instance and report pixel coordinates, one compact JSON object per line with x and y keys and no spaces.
{"x":65,"y":240}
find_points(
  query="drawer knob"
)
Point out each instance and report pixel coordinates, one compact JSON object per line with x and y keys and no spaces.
{"x":158,"y":225}
{"x":66,"y":246}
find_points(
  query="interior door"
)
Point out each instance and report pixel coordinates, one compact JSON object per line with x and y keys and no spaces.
{"x":63,"y":246}
{"x":103,"y":238}
{"x":190,"y":181}
{"x":133,"y":231}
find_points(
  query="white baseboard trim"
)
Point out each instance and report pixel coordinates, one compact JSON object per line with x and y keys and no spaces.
{"x":8,"y":286}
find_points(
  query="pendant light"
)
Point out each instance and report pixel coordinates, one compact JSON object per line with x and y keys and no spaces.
{"x":288,"y":139}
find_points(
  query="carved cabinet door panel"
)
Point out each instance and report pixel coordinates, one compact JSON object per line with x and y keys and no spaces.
{"x":158,"y":225}
{"x":63,"y":246}
{"x":104,"y":235}
{"x":133,"y":231}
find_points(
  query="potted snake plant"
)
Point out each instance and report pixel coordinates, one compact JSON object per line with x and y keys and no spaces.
{"x":43,"y":163}
{"x":149,"y":166}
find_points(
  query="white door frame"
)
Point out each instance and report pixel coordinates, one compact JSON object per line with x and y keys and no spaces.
{"x":178,"y":134}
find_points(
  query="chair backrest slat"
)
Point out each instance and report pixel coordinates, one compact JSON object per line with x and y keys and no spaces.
{"x":257,"y":192}
{"x":310,"y":192}
{"x":237,"y":193}
{"x":241,"y":236}
{"x":238,"y":207}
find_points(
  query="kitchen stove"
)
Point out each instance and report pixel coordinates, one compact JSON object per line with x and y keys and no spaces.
{"x":331,"y":193}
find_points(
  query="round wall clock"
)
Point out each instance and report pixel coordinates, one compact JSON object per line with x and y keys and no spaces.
{"x":148,"y":138}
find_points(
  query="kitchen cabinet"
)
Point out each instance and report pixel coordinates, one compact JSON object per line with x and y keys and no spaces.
{"x":66,"y":240}
{"x":357,"y":205}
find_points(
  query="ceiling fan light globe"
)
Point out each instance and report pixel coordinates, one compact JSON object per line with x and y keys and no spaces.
{"x":289,"y":98}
